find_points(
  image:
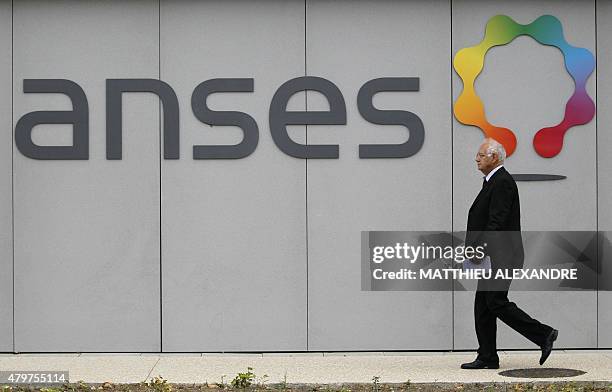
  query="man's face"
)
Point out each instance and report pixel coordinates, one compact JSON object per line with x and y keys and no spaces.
{"x":485,"y":162}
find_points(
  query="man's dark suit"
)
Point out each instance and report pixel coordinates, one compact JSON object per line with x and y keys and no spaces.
{"x":494,"y":220}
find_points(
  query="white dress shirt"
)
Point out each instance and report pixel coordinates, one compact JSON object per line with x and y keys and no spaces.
{"x":488,"y":177}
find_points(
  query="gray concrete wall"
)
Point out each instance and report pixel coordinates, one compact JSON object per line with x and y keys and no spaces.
{"x":87,"y":232}
{"x":234,"y":231}
{"x":604,"y":161}
{"x":262,"y":253}
{"x":348,"y":195}
{"x":6,"y":182}
{"x":524,"y":87}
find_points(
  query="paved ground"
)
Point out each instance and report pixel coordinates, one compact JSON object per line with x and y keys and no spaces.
{"x":319,"y":368}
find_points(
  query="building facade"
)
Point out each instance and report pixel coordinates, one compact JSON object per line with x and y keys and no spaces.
{"x":261,"y":252}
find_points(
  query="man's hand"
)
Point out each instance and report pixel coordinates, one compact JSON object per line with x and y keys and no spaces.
{"x":478,"y":260}
{"x":481,"y":263}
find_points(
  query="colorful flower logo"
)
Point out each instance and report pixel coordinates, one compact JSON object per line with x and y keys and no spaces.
{"x":547,"y":30}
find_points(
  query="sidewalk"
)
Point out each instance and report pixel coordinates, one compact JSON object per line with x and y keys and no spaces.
{"x":309,"y":368}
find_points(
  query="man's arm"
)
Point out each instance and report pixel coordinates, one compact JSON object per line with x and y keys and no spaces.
{"x":500,"y":205}
{"x":500,"y":208}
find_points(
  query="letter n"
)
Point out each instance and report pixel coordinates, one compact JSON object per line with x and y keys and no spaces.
{"x":114,"y":117}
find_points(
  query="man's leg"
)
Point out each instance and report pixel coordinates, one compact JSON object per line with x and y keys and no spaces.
{"x":515,"y":318}
{"x":486,"y":329}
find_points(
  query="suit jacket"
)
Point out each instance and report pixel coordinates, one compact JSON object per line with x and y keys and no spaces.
{"x":494,"y":219}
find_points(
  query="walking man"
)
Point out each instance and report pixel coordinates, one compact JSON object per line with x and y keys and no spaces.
{"x":494,"y":220}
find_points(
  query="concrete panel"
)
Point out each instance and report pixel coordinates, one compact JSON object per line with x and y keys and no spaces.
{"x":350,"y":43}
{"x":87,"y":232}
{"x":6,"y":185}
{"x":604,"y":161}
{"x":604,"y":300}
{"x":234,"y":231}
{"x":524,"y":86}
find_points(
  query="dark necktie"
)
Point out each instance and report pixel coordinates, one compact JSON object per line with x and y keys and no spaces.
{"x":484,"y":182}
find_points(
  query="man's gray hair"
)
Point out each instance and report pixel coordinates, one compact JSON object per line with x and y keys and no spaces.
{"x":493,"y":146}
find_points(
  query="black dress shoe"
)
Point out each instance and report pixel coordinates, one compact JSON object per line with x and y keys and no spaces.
{"x":480,"y":364}
{"x":548,"y":345}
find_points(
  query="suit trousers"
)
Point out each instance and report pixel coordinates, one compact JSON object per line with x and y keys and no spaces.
{"x":491,"y":305}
